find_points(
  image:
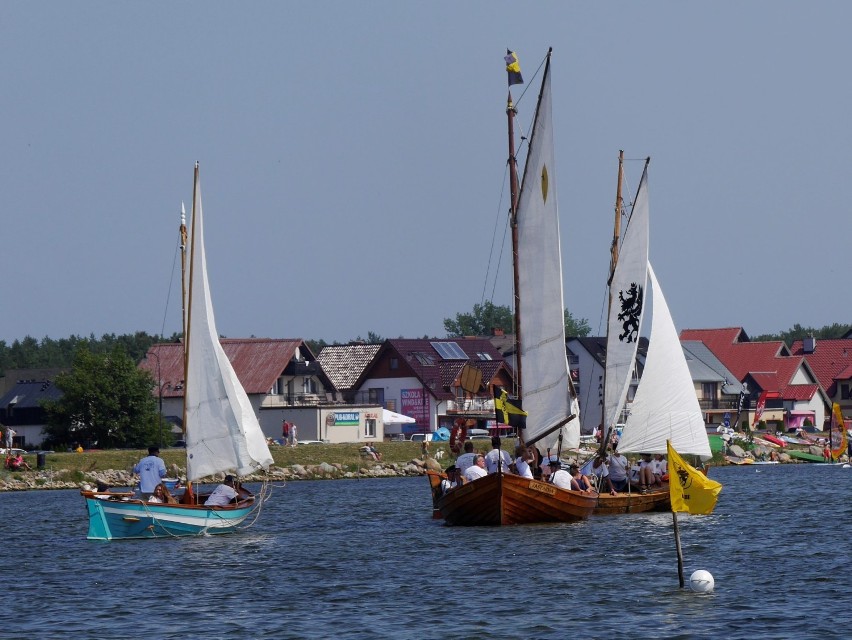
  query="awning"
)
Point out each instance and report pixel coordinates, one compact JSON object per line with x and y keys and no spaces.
{"x":392,"y":417}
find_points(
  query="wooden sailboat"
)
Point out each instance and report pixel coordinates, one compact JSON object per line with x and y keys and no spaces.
{"x":222,"y":431}
{"x":665,"y":406}
{"x":543,"y":376}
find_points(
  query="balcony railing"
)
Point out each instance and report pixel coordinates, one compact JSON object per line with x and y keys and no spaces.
{"x":717,"y":403}
{"x":471,"y":405}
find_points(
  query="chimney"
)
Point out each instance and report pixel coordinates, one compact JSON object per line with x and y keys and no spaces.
{"x":809,"y":344}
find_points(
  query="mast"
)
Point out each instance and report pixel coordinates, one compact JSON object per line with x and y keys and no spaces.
{"x":513,"y":221}
{"x":187,"y":295}
{"x":613,"y":261}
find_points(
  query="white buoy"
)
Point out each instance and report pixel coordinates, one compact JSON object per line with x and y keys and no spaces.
{"x":701,"y":581}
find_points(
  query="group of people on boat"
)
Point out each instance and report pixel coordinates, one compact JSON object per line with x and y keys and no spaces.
{"x":611,"y":473}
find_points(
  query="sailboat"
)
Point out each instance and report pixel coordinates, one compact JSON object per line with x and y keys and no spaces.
{"x":222,"y":431}
{"x":542,"y":372}
{"x":665,"y":406}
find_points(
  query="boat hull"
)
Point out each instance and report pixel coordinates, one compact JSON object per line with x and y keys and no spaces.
{"x":659,"y":500}
{"x":123,"y":519}
{"x":505,"y":499}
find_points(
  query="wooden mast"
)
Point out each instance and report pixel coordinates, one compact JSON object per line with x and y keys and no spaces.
{"x":613,"y":261}
{"x":513,"y":221}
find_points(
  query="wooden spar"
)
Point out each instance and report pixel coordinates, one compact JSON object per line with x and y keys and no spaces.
{"x":613,"y":261}
{"x":678,"y":549}
{"x":188,"y":314}
{"x":183,"y":241}
{"x":513,"y":221}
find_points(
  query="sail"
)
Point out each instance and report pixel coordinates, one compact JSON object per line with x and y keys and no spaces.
{"x":546,"y":393}
{"x":837,"y":433}
{"x":222,"y":431}
{"x":666,"y":405}
{"x":627,"y":294}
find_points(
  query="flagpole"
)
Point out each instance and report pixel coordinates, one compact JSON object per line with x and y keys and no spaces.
{"x":679,"y":550}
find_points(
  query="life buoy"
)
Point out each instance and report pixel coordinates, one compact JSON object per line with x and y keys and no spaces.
{"x":458,"y":435}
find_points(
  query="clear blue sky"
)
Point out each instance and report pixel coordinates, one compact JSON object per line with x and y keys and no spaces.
{"x":352,"y":158}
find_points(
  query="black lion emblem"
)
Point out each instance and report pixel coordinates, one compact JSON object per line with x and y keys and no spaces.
{"x":631,"y":309}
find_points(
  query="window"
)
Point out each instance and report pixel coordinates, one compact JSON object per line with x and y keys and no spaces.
{"x":844,"y":392}
{"x":449,"y":350}
{"x":370,"y":428}
{"x":708,"y":390}
{"x":483,"y":356}
{"x":394,"y":363}
{"x":426,"y":359}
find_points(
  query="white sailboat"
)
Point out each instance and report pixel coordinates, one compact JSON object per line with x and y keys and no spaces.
{"x":502,"y":498}
{"x":665,"y":406}
{"x":222,"y":431}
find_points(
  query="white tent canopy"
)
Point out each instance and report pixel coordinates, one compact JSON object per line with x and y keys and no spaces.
{"x":391,"y":417}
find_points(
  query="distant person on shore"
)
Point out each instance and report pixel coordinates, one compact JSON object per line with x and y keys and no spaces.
{"x":285,"y":432}
{"x":464,"y":461}
{"x":477,"y":469}
{"x":150,"y":469}
{"x":373,"y":452}
{"x":226,"y":493}
{"x":293,"y":431}
{"x":497,"y":459}
{"x":17,"y":463}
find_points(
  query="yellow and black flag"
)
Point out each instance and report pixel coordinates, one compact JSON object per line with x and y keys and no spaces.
{"x":689,"y":489}
{"x":503,"y":408}
{"x":513,"y":68}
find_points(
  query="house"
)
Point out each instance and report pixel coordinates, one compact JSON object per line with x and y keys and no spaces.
{"x":717,"y":388}
{"x":283,"y":381}
{"x":588,"y":370}
{"x":20,"y":408}
{"x":831,"y":362}
{"x":788,"y":385}
{"x":344,"y":364}
{"x":426,"y":380}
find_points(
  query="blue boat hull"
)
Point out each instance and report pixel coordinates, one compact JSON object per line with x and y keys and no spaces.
{"x":122,"y":519}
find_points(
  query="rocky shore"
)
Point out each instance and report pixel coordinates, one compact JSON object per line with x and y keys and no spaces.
{"x":58,"y":478}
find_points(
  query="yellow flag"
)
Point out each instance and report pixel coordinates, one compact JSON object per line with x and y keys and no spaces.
{"x":689,"y":489}
{"x":504,"y":407}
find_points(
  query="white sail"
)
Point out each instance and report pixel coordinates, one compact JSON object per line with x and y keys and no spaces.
{"x":627,"y":292}
{"x":666,"y":405}
{"x":222,"y":431}
{"x":544,"y":364}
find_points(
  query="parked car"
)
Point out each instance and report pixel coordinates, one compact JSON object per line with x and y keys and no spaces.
{"x":420,"y":437}
{"x":14,"y":451}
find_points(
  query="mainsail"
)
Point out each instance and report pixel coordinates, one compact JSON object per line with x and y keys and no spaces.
{"x":222,"y":431}
{"x":665,"y":406}
{"x":546,"y":383}
{"x":627,"y":292}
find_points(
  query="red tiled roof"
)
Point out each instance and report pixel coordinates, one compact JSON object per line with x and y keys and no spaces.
{"x":733,"y":349}
{"x":830,"y":361}
{"x":800,"y":391}
{"x":258,"y":362}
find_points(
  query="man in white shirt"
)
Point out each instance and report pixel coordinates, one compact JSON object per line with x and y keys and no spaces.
{"x":523,"y":457}
{"x":599,"y":469}
{"x":477,"y":469}
{"x":617,"y":465}
{"x":497,"y":458}
{"x":150,"y":469}
{"x":223,"y":494}
{"x":552,"y":472}
{"x":465,"y":460}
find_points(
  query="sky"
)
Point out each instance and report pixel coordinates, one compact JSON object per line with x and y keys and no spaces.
{"x":353,"y":156}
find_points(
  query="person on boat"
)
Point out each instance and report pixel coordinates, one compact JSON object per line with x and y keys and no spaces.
{"x":454,"y":479}
{"x":465,"y":460}
{"x":225,"y":493}
{"x":497,"y":459}
{"x":161,"y":494}
{"x":617,"y":466}
{"x":477,"y":469}
{"x":150,"y":469}
{"x":579,"y":481}
{"x":600,"y":471}
{"x":552,"y":472}
{"x":662,"y":470}
{"x":523,"y":458}
{"x":647,"y":477}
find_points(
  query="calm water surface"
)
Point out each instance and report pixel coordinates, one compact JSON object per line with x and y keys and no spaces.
{"x":363,"y":559}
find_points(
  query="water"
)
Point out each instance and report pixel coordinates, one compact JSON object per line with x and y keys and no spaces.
{"x":363,"y":559}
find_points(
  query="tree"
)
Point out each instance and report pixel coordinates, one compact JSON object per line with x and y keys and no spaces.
{"x":481,"y":321}
{"x":106,"y":401}
{"x":487,"y":316}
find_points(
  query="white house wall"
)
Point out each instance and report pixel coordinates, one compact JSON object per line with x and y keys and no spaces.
{"x":393,"y":388}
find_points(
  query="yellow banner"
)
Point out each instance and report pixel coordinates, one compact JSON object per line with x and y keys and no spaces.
{"x":689,"y":489}
{"x":838,"y":433}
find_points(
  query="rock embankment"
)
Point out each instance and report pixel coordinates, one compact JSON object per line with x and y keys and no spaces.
{"x":59,"y":478}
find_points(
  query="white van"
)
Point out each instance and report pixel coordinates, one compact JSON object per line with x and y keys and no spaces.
{"x":420,"y":437}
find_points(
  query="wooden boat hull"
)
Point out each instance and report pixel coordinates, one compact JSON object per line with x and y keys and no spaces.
{"x":506,"y":499}
{"x":125,"y":519}
{"x":658,"y":500}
